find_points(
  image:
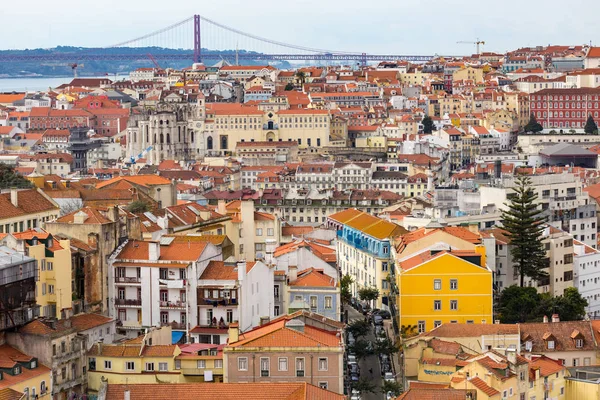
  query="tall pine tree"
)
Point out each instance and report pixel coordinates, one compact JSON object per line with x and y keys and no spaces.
{"x":427,"y":124}
{"x":525,"y":225}
{"x":533,"y":125}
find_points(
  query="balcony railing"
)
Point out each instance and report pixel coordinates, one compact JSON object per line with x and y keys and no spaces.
{"x":172,"y":304}
{"x":174,"y":325}
{"x":127,"y":279}
{"x":128,"y":302}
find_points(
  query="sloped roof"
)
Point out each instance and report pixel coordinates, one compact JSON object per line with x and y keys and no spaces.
{"x":566,"y":149}
{"x":30,"y":201}
{"x":312,"y":277}
{"x":368,"y":224}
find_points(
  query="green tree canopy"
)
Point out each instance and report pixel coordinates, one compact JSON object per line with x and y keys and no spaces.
{"x":365,"y":386}
{"x":10,"y":179}
{"x":525,"y":304}
{"x":361,"y":349}
{"x":590,"y":126}
{"x":533,"y":125}
{"x":524,"y":224}
{"x":289,"y":86}
{"x":518,"y":304}
{"x":386,"y":346}
{"x":138,"y":206}
{"x":368,"y":293}
{"x":345,"y":292}
{"x":427,"y":124}
{"x":359,"y":328}
{"x":392,"y":386}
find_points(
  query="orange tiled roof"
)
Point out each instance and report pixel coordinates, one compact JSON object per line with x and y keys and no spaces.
{"x":83,"y":322}
{"x":8,"y":355}
{"x":115,"y":350}
{"x":141,"y":180}
{"x":367,"y":223}
{"x":94,"y":216}
{"x":223,"y":391}
{"x":159,"y":351}
{"x":218,"y":270}
{"x":472,"y":330}
{"x":176,"y":251}
{"x":277,"y":334}
{"x":433,"y":394}
{"x":484,"y":387}
{"x":312,"y":277}
{"x":30,"y":201}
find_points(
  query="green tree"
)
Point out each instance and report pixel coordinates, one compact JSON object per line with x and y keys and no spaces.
{"x":590,"y":126}
{"x":368,"y":294}
{"x":569,"y":307}
{"x":386,"y":346}
{"x":533,"y":125}
{"x":10,"y":179}
{"x":524,"y":224}
{"x":518,"y":304}
{"x":361,"y":349}
{"x":359,"y":328}
{"x":345,"y":292}
{"x":289,"y":86}
{"x":394,"y":387}
{"x":365,"y":386}
{"x":427,"y":124}
{"x":138,"y":206}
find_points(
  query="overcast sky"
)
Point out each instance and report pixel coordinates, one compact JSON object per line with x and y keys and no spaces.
{"x":383,"y":26}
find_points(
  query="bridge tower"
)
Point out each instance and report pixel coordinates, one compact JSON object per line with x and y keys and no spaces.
{"x":197,"y":40}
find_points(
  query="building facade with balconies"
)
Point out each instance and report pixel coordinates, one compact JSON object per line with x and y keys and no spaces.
{"x":155,"y":283}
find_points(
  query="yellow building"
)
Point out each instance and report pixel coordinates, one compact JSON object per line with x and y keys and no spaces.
{"x":470,"y":73}
{"x":24,"y":374}
{"x":133,"y":362}
{"x":53,"y":288}
{"x":379,"y":142}
{"x":200,"y":362}
{"x":436,"y":287}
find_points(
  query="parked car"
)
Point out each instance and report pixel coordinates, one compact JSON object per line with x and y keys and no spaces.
{"x":354,"y":369}
{"x":384,"y":358}
{"x":378,"y":330}
{"x":384,"y":314}
{"x":351,"y":359}
{"x":354,"y":377}
{"x":388,"y":376}
{"x":385,"y":367}
{"x":377,"y":319}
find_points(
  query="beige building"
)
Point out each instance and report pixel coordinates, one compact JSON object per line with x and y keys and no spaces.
{"x":290,"y":348}
{"x":25,"y":209}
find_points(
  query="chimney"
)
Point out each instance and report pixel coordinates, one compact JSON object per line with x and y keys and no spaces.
{"x":233,"y":332}
{"x":80,"y":217}
{"x":241,"y":270}
{"x":545,"y":319}
{"x":14,"y":198}
{"x":511,"y":356}
{"x":555,"y":318}
{"x":153,"y":251}
{"x":292,"y":273}
{"x":221,"y":209}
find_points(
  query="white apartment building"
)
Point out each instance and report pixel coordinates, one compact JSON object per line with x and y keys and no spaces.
{"x":233,"y":292}
{"x":586,"y":274}
{"x":153,"y":284}
{"x":352,"y":175}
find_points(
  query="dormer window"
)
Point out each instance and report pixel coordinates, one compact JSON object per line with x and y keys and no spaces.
{"x":579,"y":343}
{"x":16,"y":370}
{"x":550,"y":344}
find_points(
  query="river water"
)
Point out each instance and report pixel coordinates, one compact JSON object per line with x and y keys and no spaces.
{"x":38,"y":84}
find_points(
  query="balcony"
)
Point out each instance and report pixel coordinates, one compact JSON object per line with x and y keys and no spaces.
{"x":69,"y":384}
{"x":173,"y":305}
{"x":128,"y":302}
{"x":174,"y":325}
{"x":127,"y":279}
{"x":200,"y":371}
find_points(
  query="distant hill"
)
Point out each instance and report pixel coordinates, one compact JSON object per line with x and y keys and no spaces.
{"x":95,"y":68}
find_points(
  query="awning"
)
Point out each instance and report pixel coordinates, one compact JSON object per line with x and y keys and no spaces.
{"x":176,"y":336}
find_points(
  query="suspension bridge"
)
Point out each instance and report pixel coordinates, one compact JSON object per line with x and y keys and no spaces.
{"x":200,"y":39}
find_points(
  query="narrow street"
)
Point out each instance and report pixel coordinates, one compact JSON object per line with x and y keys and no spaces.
{"x":371,"y":362}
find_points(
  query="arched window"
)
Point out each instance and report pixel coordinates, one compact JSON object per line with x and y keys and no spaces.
{"x":209,"y":143}
{"x":192,"y":137}
{"x":162,"y":138}
{"x":224,"y":142}
{"x":168,"y":138}
{"x":147,"y":134}
{"x":179,"y":134}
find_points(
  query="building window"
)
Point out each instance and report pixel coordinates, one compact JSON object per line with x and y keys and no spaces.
{"x":163,"y":366}
{"x":258,"y":231}
{"x":108,"y":365}
{"x":454,"y":305}
{"x":437,"y":323}
{"x":270,"y":232}
{"x":328,"y":302}
{"x":177,"y":364}
{"x":579,"y":343}
{"x":201,"y":364}
{"x":323,"y":364}
{"x":322,"y":385}
{"x":149,"y":366}
{"x":437,"y":284}
{"x":242,"y":364}
{"x":453,"y":284}
{"x":313,"y":303}
{"x":437,"y":305}
{"x":283,"y":364}
{"x":276,"y":311}
{"x":130,"y":366}
{"x":300,"y":367}
{"x":421,"y":326}
{"x":264,"y":366}
{"x":550,"y":344}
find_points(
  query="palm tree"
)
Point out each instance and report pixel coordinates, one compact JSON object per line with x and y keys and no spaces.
{"x":301,"y":77}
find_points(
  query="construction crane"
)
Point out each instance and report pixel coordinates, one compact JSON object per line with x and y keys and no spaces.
{"x":151,"y":57}
{"x":72,"y":65}
{"x":477,"y":43}
{"x":133,"y":160}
